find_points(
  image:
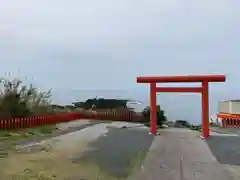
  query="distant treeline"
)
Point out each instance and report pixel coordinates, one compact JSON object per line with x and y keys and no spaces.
{"x":102,"y":103}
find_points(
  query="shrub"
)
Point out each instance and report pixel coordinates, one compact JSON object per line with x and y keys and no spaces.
{"x":161,"y":118}
{"x":18,"y":100}
{"x":182,"y":123}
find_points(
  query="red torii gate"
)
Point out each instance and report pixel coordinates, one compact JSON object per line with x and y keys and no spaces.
{"x":204,"y":79}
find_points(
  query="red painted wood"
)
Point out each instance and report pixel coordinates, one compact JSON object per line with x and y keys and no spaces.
{"x":181,"y":79}
{"x":180,"y":89}
{"x":205,"y":79}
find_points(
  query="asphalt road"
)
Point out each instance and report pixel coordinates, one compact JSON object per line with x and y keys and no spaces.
{"x":129,"y":153}
{"x":226,"y":130}
{"x":226,"y":149}
{"x":118,"y":150}
{"x":180,"y":154}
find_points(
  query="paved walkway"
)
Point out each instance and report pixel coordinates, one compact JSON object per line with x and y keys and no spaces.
{"x":106,"y":151}
{"x":179,"y":154}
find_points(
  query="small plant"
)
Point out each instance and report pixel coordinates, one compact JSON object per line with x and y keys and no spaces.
{"x":182,"y":123}
{"x":161,"y":118}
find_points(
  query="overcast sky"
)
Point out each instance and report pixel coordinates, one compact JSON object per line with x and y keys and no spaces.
{"x":78,"y":47}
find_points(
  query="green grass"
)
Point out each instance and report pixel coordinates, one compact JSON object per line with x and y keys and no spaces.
{"x":20,"y":134}
{"x":9,"y":138}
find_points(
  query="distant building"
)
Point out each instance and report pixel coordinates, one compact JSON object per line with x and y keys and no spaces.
{"x":136,"y":106}
{"x":229,"y":106}
{"x":229,"y":113}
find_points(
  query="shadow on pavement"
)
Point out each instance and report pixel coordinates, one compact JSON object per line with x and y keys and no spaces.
{"x":114,"y":152}
{"x":226,"y":149}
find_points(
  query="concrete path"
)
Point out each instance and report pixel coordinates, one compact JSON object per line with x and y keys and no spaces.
{"x":179,"y":154}
{"x":125,"y":151}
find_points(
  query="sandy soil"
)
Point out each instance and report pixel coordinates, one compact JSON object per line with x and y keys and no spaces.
{"x":52,"y":159}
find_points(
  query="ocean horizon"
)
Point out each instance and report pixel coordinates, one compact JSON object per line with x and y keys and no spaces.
{"x":176,"y":106}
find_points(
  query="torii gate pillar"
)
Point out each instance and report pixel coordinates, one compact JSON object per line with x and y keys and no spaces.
{"x":204,"y":90}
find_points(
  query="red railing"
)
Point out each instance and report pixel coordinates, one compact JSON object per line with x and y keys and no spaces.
{"x":229,"y":120}
{"x":26,"y":122}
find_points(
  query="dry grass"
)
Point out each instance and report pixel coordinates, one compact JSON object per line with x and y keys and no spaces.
{"x":52,"y":159}
{"x":20,"y":134}
{"x":50,"y":162}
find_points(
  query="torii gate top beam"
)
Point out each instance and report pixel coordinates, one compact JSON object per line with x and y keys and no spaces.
{"x":204,"y":79}
{"x":181,"y":79}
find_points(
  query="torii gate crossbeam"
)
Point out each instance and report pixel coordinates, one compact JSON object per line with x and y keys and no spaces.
{"x":204,"y":90}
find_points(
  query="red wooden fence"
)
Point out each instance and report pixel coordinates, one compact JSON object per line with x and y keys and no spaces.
{"x":229,"y":120}
{"x":26,"y":122}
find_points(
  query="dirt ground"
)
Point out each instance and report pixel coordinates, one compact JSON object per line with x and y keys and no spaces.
{"x":59,"y":158}
{"x":120,"y":150}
